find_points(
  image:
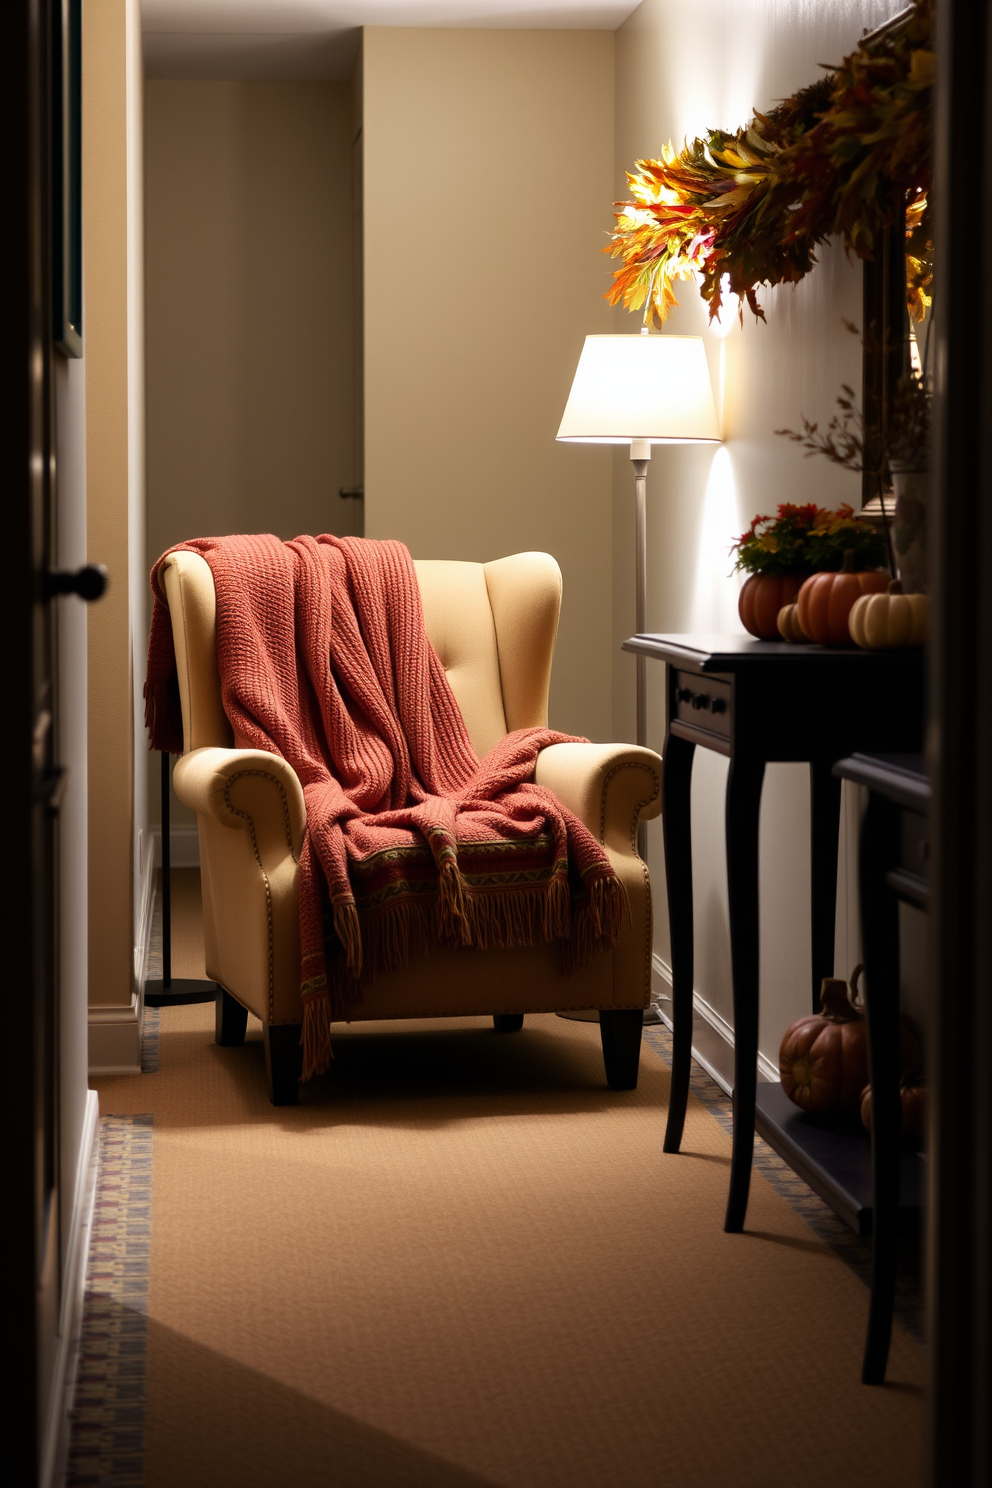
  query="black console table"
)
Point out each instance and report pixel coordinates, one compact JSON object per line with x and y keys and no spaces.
{"x":757,"y":702}
{"x":893,"y":866}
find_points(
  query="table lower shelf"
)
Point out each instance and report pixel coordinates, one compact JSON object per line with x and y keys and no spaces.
{"x":835,"y":1164}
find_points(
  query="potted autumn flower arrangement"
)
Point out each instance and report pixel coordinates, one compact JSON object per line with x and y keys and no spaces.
{"x":780,"y":553}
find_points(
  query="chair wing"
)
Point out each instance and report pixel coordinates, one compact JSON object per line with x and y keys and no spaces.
{"x":525,"y":595}
{"x":189,"y":591}
{"x":459,"y":621}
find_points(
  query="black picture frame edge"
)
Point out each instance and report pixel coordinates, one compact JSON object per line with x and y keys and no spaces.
{"x":67,"y":281}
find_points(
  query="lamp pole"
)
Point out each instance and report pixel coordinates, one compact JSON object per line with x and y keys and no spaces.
{"x":167,"y":990}
{"x":640,"y":454}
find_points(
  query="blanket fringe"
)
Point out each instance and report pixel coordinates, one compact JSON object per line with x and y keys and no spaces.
{"x":557,"y":907}
{"x":489,"y":921}
{"x":317,"y":1051}
{"x":453,"y":910}
{"x":349,"y":932}
{"x":163,"y":715}
{"x":597,"y":923}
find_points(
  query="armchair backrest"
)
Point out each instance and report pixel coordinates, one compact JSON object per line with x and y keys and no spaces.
{"x":493,"y":626}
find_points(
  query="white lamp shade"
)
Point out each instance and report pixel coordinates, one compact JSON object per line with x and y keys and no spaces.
{"x":654,"y":388}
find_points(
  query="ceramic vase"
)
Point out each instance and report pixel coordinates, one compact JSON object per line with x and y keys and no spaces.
{"x":909,"y":529}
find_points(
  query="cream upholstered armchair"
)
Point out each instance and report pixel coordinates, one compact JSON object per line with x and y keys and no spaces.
{"x":493,"y":627}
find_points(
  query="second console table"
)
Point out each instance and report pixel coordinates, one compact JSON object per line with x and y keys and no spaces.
{"x":758,"y":702}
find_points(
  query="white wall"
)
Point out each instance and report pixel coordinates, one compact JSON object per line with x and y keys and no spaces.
{"x":488,"y":167}
{"x":681,"y":69}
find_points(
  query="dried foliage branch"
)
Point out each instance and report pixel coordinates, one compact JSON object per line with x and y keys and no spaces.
{"x":847,"y":155}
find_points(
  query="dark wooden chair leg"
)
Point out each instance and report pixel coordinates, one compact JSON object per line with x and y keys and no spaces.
{"x":283,"y":1062}
{"x":620,"y":1032}
{"x":508,"y":1022}
{"x":230,"y":1020}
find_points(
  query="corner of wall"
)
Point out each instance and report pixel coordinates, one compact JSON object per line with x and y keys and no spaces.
{"x":115,"y":456}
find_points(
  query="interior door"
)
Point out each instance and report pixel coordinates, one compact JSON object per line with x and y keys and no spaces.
{"x":32,"y":782}
{"x":26,"y":740}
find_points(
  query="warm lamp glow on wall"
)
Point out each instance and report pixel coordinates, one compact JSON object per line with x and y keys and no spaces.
{"x":641,"y":390}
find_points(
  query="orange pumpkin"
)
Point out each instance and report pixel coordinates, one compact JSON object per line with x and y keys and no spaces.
{"x":761,"y":598}
{"x":826,"y":600}
{"x":823,"y":1061}
{"x":914,"y":1111}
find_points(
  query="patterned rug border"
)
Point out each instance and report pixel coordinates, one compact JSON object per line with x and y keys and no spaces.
{"x":854,"y":1251}
{"x":107,"y":1420}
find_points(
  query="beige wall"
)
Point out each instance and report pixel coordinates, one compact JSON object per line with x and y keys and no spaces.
{"x":681,"y":69}
{"x":114,"y":471}
{"x":249,"y":309}
{"x":488,"y":179}
{"x":249,"y":319}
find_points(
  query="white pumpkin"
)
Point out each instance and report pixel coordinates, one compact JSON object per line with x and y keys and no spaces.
{"x":890,"y":622}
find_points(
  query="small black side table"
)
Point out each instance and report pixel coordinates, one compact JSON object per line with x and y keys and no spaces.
{"x":757,"y":702}
{"x":893,"y":865}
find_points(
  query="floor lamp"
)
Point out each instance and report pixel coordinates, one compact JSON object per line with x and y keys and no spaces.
{"x":641,"y":390}
{"x":172,"y":991}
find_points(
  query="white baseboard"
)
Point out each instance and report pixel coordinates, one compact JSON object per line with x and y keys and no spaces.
{"x":713,"y":1036}
{"x":56,"y":1440}
{"x":184,"y":846}
{"x":115,"y":1038}
{"x":115,"y":1031}
{"x":143,"y":931}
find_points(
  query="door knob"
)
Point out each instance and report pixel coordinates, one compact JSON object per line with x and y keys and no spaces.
{"x":89,"y":582}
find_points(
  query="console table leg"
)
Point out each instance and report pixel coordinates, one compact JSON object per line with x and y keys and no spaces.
{"x":880,"y":936}
{"x":676,"y":782}
{"x":742,"y":817}
{"x":824,"y":800}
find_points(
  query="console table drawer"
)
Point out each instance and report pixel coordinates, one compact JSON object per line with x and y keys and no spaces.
{"x":914,"y":856}
{"x":909,"y":876}
{"x":702,"y":702}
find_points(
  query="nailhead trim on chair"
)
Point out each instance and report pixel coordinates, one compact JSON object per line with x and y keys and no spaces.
{"x":265,"y":775}
{"x":633,"y":844}
{"x":234,"y":810}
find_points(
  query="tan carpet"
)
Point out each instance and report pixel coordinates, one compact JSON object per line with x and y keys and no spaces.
{"x":463,"y":1261}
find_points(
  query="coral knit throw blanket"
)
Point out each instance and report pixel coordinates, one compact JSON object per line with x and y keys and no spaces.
{"x":411,"y":840}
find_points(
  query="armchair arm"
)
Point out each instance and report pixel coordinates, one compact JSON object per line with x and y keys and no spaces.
{"x":251,"y":817}
{"x":610,"y":787}
{"x":238,"y":786}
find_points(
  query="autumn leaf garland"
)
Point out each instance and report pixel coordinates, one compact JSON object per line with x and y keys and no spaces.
{"x":847,"y":155}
